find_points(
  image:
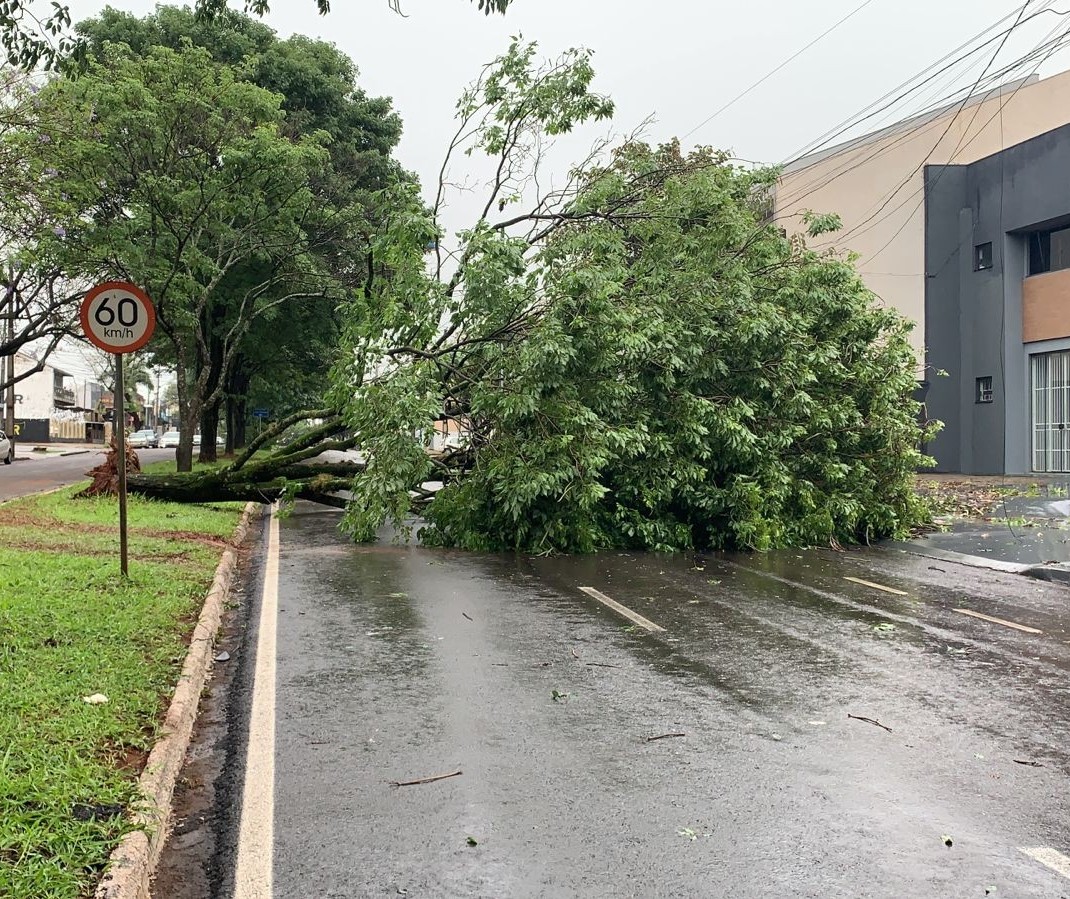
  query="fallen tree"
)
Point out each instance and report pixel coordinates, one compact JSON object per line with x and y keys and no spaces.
{"x":290,"y":471}
{"x":641,"y":359}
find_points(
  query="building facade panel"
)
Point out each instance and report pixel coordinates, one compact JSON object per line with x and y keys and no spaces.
{"x":994,"y":323}
{"x":1045,"y":300}
{"x":877,"y":184}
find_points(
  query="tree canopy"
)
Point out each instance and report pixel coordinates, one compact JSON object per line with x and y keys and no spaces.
{"x":320,"y":96}
{"x":642,"y":362}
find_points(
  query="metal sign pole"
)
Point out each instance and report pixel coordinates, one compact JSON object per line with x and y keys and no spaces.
{"x":120,"y":443}
{"x":118,"y":317}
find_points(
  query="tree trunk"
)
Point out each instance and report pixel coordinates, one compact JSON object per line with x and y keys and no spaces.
{"x":209,"y":432}
{"x":237,"y":389}
{"x":263,"y":483}
{"x":203,"y":488}
{"x":210,"y":411}
{"x":184,"y":453}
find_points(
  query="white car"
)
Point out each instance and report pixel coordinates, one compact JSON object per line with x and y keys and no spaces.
{"x":170,"y":439}
{"x":143,"y":438}
{"x":7,"y":449}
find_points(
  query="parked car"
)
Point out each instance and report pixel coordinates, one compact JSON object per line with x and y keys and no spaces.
{"x":7,"y":449}
{"x":146,"y":437}
{"x":196,"y":439}
{"x":170,"y":439}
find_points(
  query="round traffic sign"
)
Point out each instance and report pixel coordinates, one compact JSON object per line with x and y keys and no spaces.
{"x":118,"y":317}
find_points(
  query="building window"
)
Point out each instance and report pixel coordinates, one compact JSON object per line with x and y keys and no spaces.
{"x":984,"y":390}
{"x":1049,"y":251}
{"x":982,"y":256}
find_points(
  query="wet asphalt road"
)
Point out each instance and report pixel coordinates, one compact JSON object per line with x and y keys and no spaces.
{"x":27,"y":476}
{"x":399,"y":663}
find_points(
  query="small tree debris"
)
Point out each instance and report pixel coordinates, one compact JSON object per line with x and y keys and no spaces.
{"x":1027,"y":762}
{"x":558,"y":696}
{"x":106,"y":475}
{"x":946,"y":840}
{"x":472,"y":841}
{"x":469,"y":617}
{"x":424,"y":780}
{"x":869,"y":721}
{"x":665,"y":736}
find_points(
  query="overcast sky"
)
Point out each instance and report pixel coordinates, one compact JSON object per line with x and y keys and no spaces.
{"x":676,"y":60}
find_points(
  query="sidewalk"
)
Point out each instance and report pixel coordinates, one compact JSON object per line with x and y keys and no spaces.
{"x":1024,"y":528}
{"x":34,"y":452}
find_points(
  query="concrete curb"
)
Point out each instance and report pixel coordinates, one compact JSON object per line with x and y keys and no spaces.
{"x":132,"y":863}
{"x":948,"y":555}
{"x":1056,"y":574}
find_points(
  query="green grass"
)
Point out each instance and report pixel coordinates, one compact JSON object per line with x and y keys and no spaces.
{"x":70,"y":628}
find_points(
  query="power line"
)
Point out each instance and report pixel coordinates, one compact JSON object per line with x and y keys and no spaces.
{"x":898,"y":94}
{"x":769,"y":75}
{"x":850,"y":164}
{"x":1062,"y":41}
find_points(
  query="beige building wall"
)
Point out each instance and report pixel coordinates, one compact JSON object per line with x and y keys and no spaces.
{"x":876,"y":183}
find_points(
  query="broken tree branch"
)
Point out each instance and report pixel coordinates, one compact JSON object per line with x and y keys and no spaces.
{"x":869,"y":721}
{"x":424,"y":780}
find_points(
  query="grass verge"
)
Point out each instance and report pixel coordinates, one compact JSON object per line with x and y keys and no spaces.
{"x":70,"y":629}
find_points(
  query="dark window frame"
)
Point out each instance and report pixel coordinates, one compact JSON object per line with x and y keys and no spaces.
{"x":982,"y":256}
{"x":984,"y":390}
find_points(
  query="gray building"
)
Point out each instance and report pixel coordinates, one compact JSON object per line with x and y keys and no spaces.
{"x":997,"y":309}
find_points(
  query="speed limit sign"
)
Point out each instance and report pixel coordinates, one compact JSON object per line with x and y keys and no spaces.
{"x":118,"y":317}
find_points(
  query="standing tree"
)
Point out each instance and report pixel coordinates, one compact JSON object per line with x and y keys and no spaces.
{"x":319,"y":88}
{"x":638,"y":359}
{"x":175,"y":174}
{"x":38,"y":304}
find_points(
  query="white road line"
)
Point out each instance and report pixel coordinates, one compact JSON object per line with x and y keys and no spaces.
{"x":858,"y":580}
{"x":623,"y":610}
{"x":252,"y":879}
{"x":1017,"y":627}
{"x":1049,"y":858}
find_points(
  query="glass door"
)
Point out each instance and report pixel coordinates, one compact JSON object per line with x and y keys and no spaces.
{"x":1050,"y":390}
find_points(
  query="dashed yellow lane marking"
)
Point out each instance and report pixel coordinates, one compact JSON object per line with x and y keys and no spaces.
{"x":858,"y":580}
{"x":1050,"y":858}
{"x":1000,"y":621}
{"x":635,"y":617}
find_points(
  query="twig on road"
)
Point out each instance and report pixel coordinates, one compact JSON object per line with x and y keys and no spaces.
{"x":869,"y":721}
{"x":424,"y":780}
{"x":469,"y":617}
{"x":1027,"y":762}
{"x":575,"y":654}
{"x":665,"y":736}
{"x":602,"y":665}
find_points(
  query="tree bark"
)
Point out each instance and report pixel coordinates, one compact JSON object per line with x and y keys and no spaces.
{"x":202,"y":488}
{"x":210,"y":411}
{"x":209,"y":432}
{"x":264,"y":483}
{"x":237,"y":389}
